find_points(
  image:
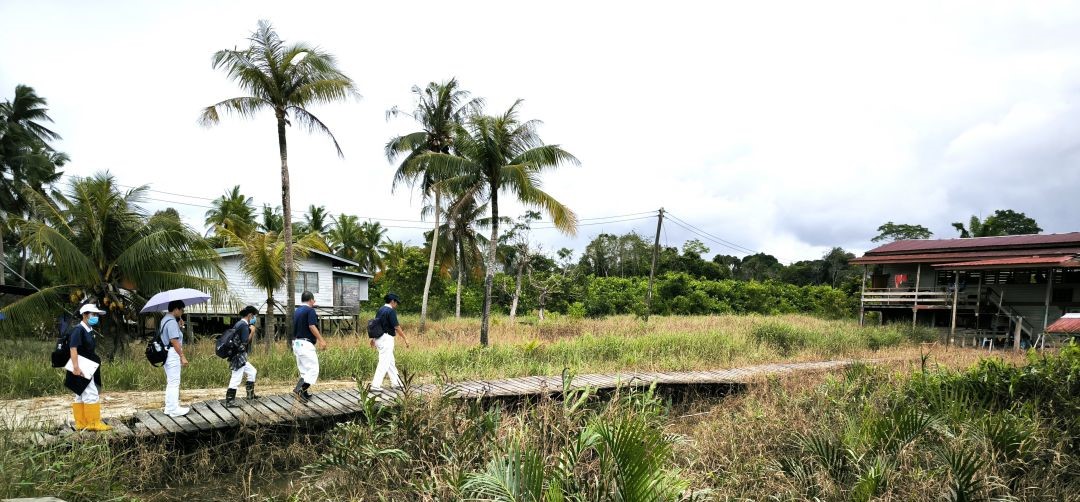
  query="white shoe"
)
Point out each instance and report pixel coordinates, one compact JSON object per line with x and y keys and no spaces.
{"x":179,"y":412}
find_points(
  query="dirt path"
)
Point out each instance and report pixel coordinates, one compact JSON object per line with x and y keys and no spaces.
{"x":56,"y":410}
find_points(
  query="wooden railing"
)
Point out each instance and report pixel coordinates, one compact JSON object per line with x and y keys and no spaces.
{"x":895,"y":298}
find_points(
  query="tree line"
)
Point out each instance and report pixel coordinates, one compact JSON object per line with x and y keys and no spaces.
{"x":90,"y":238}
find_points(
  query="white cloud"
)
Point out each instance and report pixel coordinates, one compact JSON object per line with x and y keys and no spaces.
{"x":786,"y":127}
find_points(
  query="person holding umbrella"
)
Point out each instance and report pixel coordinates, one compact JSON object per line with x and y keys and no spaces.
{"x":173,"y":302}
{"x":82,"y":380}
{"x":172,"y":337}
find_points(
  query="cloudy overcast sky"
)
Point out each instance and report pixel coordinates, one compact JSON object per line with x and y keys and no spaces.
{"x":784,"y":127}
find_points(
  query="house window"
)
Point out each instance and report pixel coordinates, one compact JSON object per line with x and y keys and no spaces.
{"x":307,"y":281}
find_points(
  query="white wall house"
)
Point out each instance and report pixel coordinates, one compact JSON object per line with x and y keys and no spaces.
{"x":321,"y":273}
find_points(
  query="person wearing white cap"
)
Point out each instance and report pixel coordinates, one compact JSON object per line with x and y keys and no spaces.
{"x":86,"y":408}
{"x":173,"y":338}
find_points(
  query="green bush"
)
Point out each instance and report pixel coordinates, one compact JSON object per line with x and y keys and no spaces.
{"x":785,"y":338}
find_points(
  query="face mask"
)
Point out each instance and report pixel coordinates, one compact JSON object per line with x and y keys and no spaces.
{"x":253,"y":320}
{"x":93,"y":321}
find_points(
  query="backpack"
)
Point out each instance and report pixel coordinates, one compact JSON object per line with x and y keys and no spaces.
{"x":375,"y":327}
{"x":228,"y":344}
{"x":156,"y":352}
{"x":62,"y":352}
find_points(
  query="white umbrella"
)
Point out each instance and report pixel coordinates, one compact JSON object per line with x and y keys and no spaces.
{"x":160,"y":302}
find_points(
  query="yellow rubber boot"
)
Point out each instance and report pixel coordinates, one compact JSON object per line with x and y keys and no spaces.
{"x":78,"y":410}
{"x":92,"y":415}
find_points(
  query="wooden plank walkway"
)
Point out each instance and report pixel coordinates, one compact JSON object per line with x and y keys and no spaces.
{"x":340,"y":405}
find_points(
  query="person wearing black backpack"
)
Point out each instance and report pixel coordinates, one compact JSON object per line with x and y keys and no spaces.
{"x":384,"y":343}
{"x":86,"y":408}
{"x":238,"y":363}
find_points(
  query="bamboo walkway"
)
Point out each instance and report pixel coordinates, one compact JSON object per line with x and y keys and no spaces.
{"x":341,"y":405}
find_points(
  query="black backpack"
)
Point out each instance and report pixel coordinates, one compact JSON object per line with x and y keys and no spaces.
{"x":375,"y":327}
{"x":228,"y":344}
{"x":156,"y":352}
{"x":62,"y":353}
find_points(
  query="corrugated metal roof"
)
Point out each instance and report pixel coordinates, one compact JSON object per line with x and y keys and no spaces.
{"x":1069,"y":324}
{"x":235,"y":251}
{"x":958,"y":256}
{"x":941,"y":245}
{"x":1067,"y":261}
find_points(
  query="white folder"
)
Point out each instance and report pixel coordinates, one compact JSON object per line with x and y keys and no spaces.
{"x":87,"y":367}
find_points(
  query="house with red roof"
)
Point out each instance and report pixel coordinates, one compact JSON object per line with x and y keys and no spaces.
{"x":995,"y":287}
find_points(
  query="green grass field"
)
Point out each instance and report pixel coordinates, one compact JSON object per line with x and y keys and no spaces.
{"x":450,"y":351}
{"x":953,"y":427}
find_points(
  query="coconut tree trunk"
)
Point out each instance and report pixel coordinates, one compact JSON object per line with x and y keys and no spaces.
{"x":268,"y":323}
{"x":517,"y":287}
{"x":460,"y":277}
{"x":3,"y":255}
{"x":489,"y":271}
{"x":286,"y":213}
{"x":430,"y":265}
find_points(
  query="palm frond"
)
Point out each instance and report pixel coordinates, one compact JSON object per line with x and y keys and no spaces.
{"x":57,"y":250}
{"x":313,"y":124}
{"x":35,"y":309}
{"x":244,"y":107}
{"x":517,"y":476}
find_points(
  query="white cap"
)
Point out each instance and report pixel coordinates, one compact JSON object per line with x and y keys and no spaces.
{"x":90,"y":307}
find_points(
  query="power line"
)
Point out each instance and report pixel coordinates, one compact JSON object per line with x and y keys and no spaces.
{"x":546,"y":225}
{"x":598,"y":223}
{"x":713,"y":237}
{"x":684,"y":227}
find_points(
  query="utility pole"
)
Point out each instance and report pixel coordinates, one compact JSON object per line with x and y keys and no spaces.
{"x":652,"y":269}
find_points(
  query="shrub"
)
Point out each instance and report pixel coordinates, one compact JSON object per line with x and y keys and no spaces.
{"x":785,"y":338}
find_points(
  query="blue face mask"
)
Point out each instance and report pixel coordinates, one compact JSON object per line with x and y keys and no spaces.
{"x":253,"y":320}
{"x":93,"y":321}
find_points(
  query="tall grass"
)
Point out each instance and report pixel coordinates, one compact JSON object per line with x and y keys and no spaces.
{"x":450,"y":351}
{"x":993,"y":431}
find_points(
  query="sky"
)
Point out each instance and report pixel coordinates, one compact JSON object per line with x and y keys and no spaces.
{"x":780,"y":127}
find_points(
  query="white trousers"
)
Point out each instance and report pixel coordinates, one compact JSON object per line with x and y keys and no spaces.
{"x":172,"y":382}
{"x":89,"y":396}
{"x":387,"y":366}
{"x":307,"y":360}
{"x":238,"y":375}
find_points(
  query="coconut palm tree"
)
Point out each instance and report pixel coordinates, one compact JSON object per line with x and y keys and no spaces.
{"x":497,"y":154}
{"x":284,"y":79}
{"x":233,"y":212}
{"x":27,"y":160}
{"x":393,"y":254}
{"x":345,"y":237}
{"x":315,"y":220}
{"x":371,"y":251}
{"x":262,"y":259}
{"x":272,"y":221}
{"x":99,"y":244}
{"x":461,"y":243}
{"x":440,"y":109}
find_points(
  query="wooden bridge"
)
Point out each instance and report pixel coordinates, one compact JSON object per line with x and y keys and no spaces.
{"x":341,"y":405}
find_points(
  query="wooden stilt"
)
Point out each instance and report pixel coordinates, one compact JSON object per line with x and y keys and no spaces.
{"x":955,"y":297}
{"x":862,"y":299}
{"x":915,"y":309}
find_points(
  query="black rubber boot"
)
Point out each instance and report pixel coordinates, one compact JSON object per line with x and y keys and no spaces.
{"x":230,"y":399}
{"x":250,"y":387}
{"x":301,"y":392}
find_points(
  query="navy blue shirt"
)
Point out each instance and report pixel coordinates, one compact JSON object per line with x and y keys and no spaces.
{"x":244,"y":329}
{"x":305,"y":316}
{"x":388,"y":316}
{"x":82,"y":340}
